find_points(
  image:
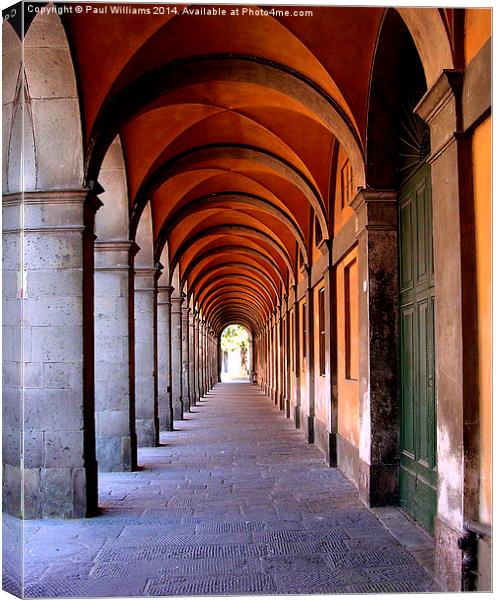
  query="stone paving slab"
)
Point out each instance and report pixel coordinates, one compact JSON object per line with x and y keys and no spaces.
{"x":234,"y":502}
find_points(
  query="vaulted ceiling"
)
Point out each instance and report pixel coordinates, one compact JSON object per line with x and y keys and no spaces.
{"x":227,"y":125}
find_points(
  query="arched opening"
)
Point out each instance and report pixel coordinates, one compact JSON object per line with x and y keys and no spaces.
{"x":398,"y":147}
{"x":235,"y":345}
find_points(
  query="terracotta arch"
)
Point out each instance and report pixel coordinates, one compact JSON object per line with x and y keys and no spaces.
{"x":223,"y":200}
{"x":228,"y":299}
{"x":240,"y":230}
{"x":229,"y":289}
{"x":234,"y":262}
{"x":235,"y":267}
{"x":143,"y":93}
{"x":246,"y":278}
{"x":211,"y":155}
{"x":239,"y":249}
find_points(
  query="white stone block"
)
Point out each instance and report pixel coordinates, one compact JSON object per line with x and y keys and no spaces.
{"x":44,"y":251}
{"x":54,"y":82}
{"x":62,"y":343}
{"x":33,"y":375}
{"x":60,"y":157}
{"x":45,"y":283}
{"x":54,"y":410}
{"x":53,"y":311}
{"x":63,"y":449}
{"x":111,"y":422}
{"x":62,"y":375}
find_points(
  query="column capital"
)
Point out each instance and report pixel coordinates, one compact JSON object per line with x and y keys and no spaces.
{"x":145,"y":279}
{"x":375,"y":210}
{"x":449,"y":84}
{"x":441,"y":109}
{"x":164,"y":294}
{"x":113,"y":255}
{"x":52,"y":212}
{"x":165,"y":288}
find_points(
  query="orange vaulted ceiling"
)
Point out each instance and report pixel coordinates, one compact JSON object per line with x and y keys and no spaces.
{"x":227,"y":126}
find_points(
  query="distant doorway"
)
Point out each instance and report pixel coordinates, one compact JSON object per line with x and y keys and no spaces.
{"x":235,"y":354}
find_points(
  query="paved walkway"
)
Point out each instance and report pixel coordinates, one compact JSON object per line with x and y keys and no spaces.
{"x":234,"y":502}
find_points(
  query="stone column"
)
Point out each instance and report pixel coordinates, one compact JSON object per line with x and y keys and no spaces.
{"x":147,"y":416}
{"x":197,"y":370}
{"x":165,"y":407}
{"x":202,"y":390}
{"x":330,"y":444}
{"x":297,"y":359}
{"x":283,"y":358}
{"x":274,"y":357}
{"x":378,"y":309}
{"x":456,"y":351}
{"x":206,"y":359}
{"x":54,"y":356}
{"x":308,"y":416}
{"x":191,"y":356}
{"x":268,"y":358}
{"x":15,"y":372}
{"x":185,"y":359}
{"x":288,"y":350}
{"x":114,"y":356}
{"x":176,"y":356}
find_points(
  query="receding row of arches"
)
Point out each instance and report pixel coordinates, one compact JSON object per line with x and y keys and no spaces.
{"x":192,"y":182}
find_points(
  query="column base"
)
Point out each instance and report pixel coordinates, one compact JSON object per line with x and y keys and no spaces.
{"x":326,"y":442}
{"x":178,"y":410}
{"x":281,"y":402}
{"x":297,"y":417}
{"x":448,"y":557}
{"x":115,"y":453}
{"x":310,"y":430}
{"x":147,"y":434}
{"x":56,"y":493}
{"x":287,"y":408}
{"x":378,"y":484}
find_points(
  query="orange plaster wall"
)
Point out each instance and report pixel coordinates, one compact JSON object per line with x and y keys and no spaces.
{"x":320,"y":380}
{"x":483,"y":214}
{"x":348,"y":389}
{"x":477,"y":30}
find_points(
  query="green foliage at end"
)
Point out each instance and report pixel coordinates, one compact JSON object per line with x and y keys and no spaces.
{"x":233,"y":337}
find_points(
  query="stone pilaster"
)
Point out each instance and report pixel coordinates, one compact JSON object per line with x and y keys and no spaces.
{"x":197,"y":354}
{"x":297,"y":361}
{"x":114,"y":356}
{"x":191,"y":357}
{"x":12,"y":354}
{"x":378,"y":309}
{"x":274,"y":357}
{"x":202,"y":389}
{"x":456,"y":350}
{"x":165,"y":407}
{"x":185,"y":359}
{"x":48,"y":363}
{"x":146,"y":406}
{"x":280,"y":359}
{"x":176,"y":356}
{"x":308,"y":405}
{"x":330,"y":443}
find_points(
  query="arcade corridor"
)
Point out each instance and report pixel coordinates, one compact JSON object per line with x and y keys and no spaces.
{"x":235,"y":501}
{"x":319,"y":178}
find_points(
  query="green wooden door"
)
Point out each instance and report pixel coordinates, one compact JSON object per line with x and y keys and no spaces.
{"x":418,"y":473}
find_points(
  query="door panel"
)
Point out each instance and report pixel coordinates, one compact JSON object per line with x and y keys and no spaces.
{"x":418,"y":474}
